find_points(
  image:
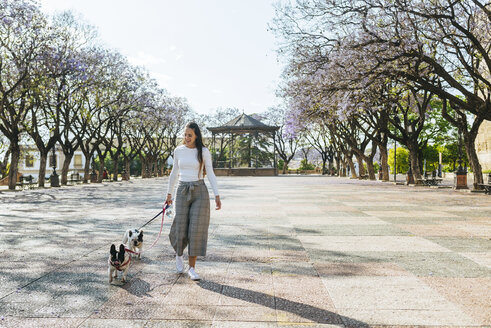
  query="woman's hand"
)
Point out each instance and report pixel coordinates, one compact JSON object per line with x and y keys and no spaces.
{"x":169,"y":199}
{"x":218,"y":203}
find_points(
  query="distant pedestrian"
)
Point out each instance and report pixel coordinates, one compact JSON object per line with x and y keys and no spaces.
{"x":192,"y":161}
{"x":104,"y":174}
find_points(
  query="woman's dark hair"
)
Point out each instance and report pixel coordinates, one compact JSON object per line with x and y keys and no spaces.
{"x":199,"y":144}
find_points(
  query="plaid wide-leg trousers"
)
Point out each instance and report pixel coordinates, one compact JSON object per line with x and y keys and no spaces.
{"x":192,"y":218}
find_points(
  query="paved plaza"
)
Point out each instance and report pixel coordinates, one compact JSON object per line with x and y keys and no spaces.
{"x":299,"y":251}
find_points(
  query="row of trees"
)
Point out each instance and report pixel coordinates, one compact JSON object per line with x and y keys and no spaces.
{"x":358,"y":74}
{"x":372,"y":70}
{"x":60,"y":88}
{"x":58,"y":85}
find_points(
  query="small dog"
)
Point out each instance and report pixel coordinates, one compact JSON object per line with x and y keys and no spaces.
{"x":118,"y":261}
{"x":134,"y":239}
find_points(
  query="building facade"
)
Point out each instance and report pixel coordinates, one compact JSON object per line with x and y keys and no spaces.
{"x":483,"y":145}
{"x":30,"y":162}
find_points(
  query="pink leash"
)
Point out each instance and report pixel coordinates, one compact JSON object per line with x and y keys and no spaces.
{"x":166,"y":206}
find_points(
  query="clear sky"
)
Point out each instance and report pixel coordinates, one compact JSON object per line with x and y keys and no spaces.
{"x":216,"y":53}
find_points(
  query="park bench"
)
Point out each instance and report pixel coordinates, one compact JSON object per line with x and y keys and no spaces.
{"x":364,"y":177}
{"x":75,"y":178}
{"x":296,"y":171}
{"x":486,"y":187}
{"x":26,"y":181}
{"x":430,"y":181}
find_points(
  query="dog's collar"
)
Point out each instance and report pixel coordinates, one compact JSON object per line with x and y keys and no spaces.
{"x":120,"y":266}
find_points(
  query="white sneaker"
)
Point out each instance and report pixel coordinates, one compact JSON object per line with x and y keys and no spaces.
{"x":193,"y":275}
{"x":179,"y":264}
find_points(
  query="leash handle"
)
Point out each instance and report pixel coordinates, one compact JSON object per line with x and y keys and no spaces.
{"x":166,"y":206}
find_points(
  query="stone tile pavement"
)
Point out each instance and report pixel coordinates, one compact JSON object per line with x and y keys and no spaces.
{"x":303,"y":251}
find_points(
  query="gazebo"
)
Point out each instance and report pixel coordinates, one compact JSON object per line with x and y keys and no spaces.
{"x":243,"y":124}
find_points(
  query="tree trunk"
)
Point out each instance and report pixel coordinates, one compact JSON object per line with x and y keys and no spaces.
{"x":128,"y":167}
{"x":342,"y":169}
{"x":384,"y":162}
{"x":286,"y":161}
{"x":155,"y":168}
{"x":150,"y":168}
{"x":162,"y":168}
{"x":369,"y":161}
{"x":125,"y":173}
{"x":361,"y":167}
{"x":142,"y":173}
{"x":14,"y":163}
{"x":470,"y":148}
{"x":371,"y":170}
{"x":324,"y":160}
{"x":42,"y":168}
{"x":101,"y":169}
{"x":115,"y":172}
{"x":413,"y":157}
{"x":338,"y":165}
{"x":87,"y":169}
{"x":352,"y":167}
{"x":65,"y":168}
{"x":116,"y":166}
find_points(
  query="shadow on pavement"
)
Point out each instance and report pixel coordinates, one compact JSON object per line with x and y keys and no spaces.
{"x":137,"y":287}
{"x":305,"y":311}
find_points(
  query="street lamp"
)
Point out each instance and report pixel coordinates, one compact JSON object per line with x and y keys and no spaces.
{"x":460,"y":168}
{"x":440,"y":165}
{"x":409,"y":177}
{"x":93,"y":175}
{"x":460,"y":180}
{"x":54,"y":178}
{"x":147,"y":175}
{"x":398,"y":121}
{"x":123,"y":174}
{"x":380,"y":173}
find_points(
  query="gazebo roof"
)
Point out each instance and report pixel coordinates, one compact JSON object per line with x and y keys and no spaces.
{"x":243,"y":124}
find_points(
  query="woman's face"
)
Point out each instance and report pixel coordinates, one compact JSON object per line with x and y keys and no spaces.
{"x":190,"y":138}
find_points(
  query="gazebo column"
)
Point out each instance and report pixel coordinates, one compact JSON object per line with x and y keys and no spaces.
{"x":231,"y":151}
{"x":250,"y":153}
{"x":214,"y":149}
{"x":274,"y":153}
{"x":255,"y":146}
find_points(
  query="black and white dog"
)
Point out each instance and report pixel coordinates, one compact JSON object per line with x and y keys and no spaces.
{"x":134,"y":239}
{"x":118,"y":261}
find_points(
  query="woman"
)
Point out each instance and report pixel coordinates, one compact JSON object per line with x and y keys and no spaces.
{"x":192,"y":161}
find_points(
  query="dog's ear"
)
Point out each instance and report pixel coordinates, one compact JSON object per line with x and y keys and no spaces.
{"x":113,"y":249}
{"x":140,"y":236}
{"x":130,"y":233}
{"x":121,"y":253}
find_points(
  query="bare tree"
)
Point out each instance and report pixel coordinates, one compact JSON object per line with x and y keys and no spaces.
{"x":24,"y":39}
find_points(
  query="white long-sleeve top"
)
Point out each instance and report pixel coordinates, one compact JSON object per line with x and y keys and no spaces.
{"x":186,"y":167}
